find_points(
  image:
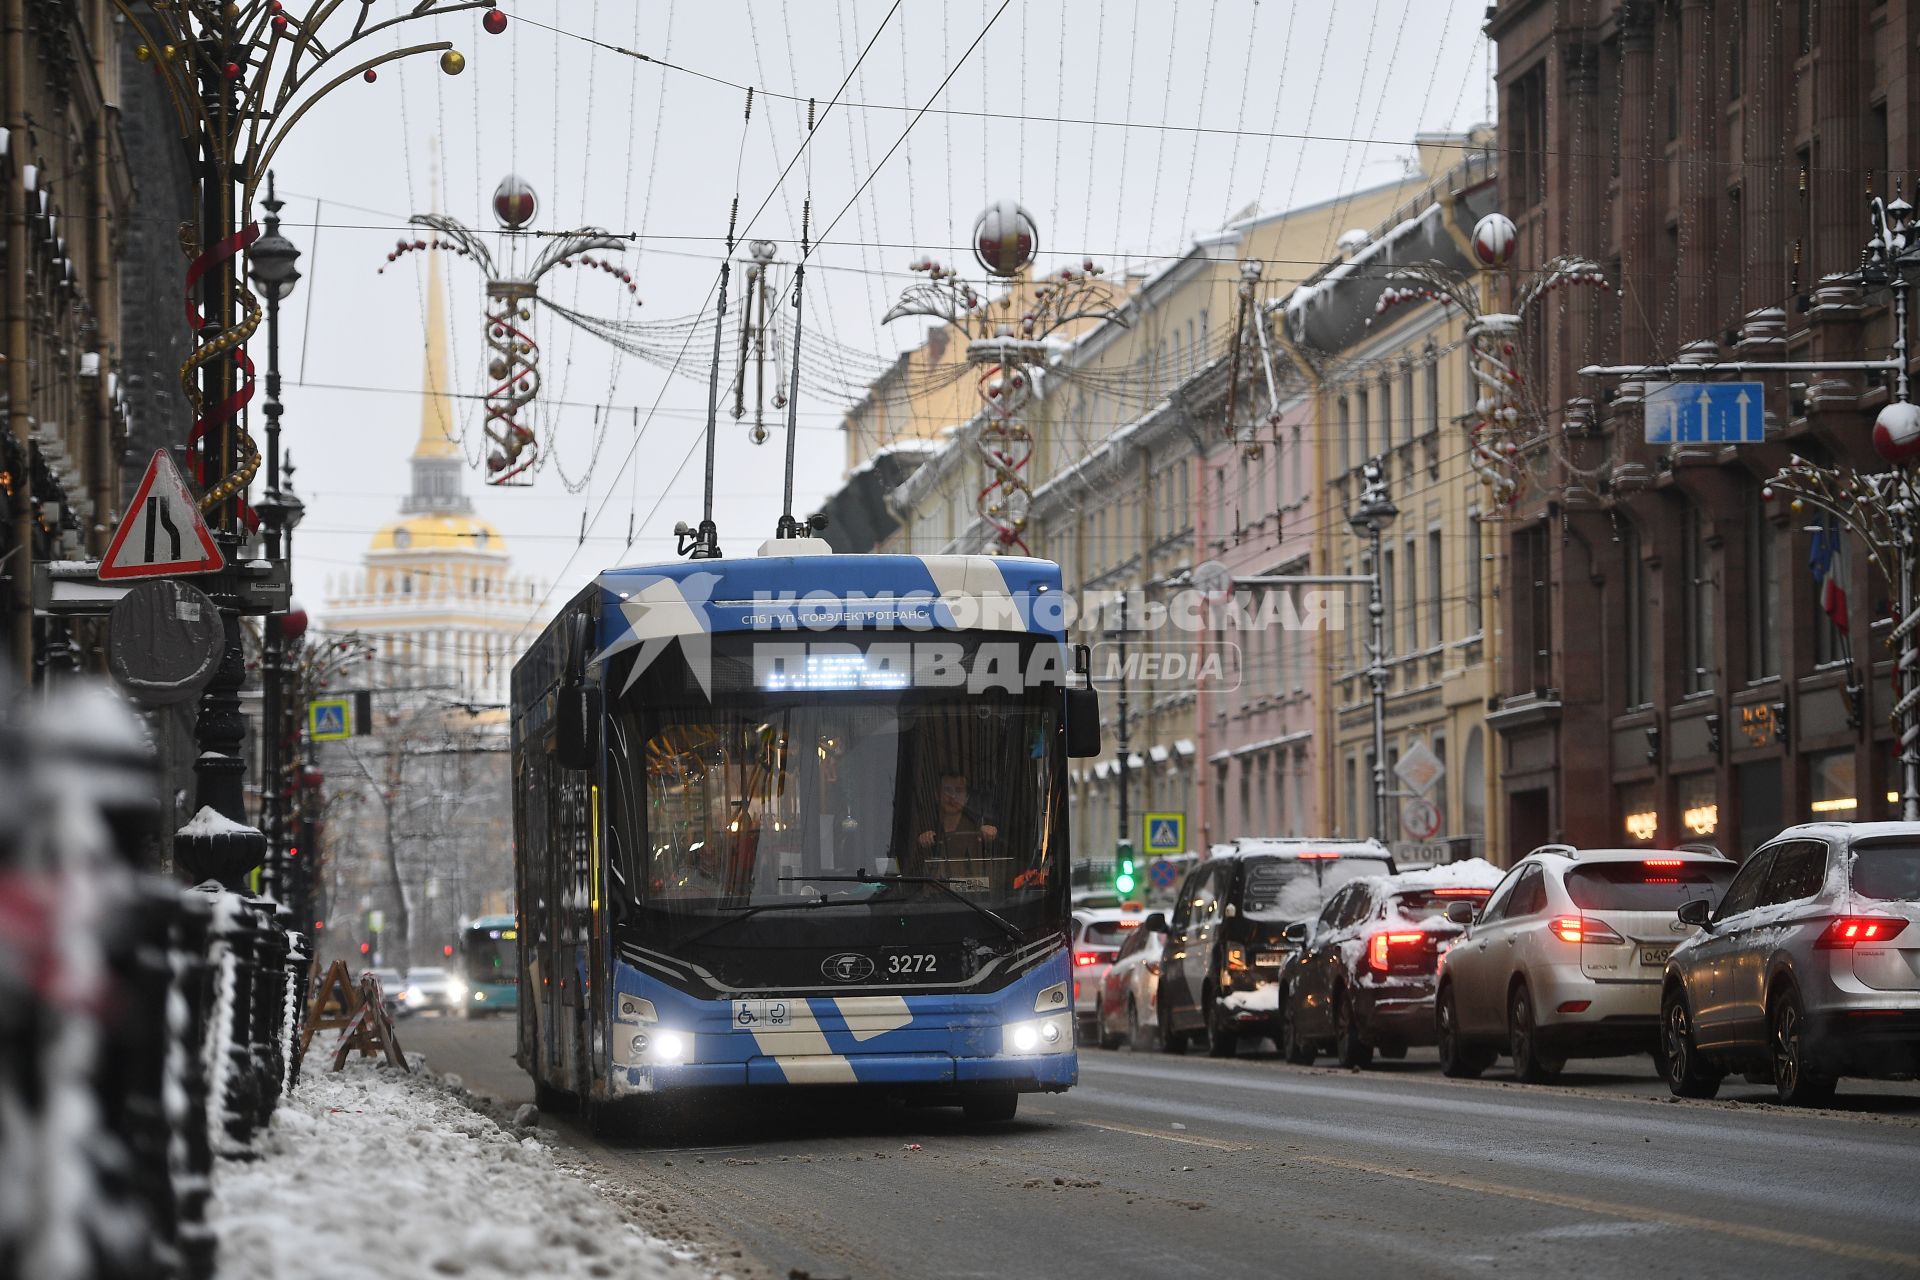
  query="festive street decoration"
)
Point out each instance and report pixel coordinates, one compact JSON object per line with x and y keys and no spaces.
{"x":759,"y":341}
{"x":239,"y":78}
{"x":1250,"y":344}
{"x":1508,"y":418}
{"x":1007,"y":340}
{"x":513,"y":363}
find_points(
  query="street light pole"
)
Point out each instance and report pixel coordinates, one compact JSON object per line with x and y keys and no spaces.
{"x":1375,"y":512}
{"x":271,"y":264}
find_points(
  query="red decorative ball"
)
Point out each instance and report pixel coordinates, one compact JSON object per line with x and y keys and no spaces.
{"x":294,"y":624}
{"x":370,"y":75}
{"x":1896,"y":432}
{"x":495,"y":22}
{"x":279,"y":22}
{"x":233,"y":71}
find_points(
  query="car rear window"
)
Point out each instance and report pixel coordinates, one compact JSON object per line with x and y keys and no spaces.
{"x":1296,"y":888}
{"x":1108,"y":934}
{"x":1430,"y":905}
{"x":1646,"y":886}
{"x":1889,"y":872}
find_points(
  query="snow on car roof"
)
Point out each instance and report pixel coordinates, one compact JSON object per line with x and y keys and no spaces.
{"x":1107,"y":915}
{"x":1469,"y":873}
{"x":1285,"y":846}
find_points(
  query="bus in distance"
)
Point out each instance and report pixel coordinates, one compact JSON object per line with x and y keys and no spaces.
{"x":490,"y":963}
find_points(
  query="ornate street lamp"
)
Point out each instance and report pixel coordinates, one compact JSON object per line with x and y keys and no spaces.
{"x":1370,"y":518}
{"x":239,"y":77}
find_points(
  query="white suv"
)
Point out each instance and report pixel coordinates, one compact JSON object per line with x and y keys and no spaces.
{"x":1566,"y":958}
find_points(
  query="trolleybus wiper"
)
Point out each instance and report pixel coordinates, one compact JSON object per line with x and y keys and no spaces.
{"x":754,"y":909}
{"x":944,"y":886}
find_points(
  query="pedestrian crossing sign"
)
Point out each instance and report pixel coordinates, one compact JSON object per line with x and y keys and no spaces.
{"x":1166,"y":833}
{"x":330,"y":719}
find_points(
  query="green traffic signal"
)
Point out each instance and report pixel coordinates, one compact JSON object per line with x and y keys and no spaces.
{"x":1124,"y":882}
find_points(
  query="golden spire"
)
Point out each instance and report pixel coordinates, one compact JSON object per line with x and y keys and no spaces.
{"x":436,"y":409}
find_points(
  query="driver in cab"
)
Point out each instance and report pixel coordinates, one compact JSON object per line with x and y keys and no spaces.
{"x":953,"y":816}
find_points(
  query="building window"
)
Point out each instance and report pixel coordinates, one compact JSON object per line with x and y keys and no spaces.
{"x":1699,"y":807}
{"x":1475,"y":626}
{"x":1527,"y":140}
{"x":1436,"y":593}
{"x":1362,"y":412}
{"x":1831,"y":791}
{"x":1736,"y":49}
{"x":1386,"y":414}
{"x":1639,"y":655}
{"x":1639,"y":814}
{"x":406,"y":584}
{"x":1412,"y":598}
{"x":1696,"y":569}
{"x":1406,"y":402}
{"x":1353,"y":797}
{"x":1763,"y":592}
{"x":1534,"y":571}
{"x":1433,"y":390}
{"x":1345,"y":414}
{"x":1385,"y":570}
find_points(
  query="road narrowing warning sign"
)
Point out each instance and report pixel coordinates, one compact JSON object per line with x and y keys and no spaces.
{"x":161,"y":535}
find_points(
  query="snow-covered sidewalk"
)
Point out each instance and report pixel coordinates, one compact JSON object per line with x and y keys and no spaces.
{"x":372,"y":1174}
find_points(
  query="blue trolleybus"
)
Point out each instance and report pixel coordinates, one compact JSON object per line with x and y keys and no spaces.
{"x":490,"y":963}
{"x":799,"y":820}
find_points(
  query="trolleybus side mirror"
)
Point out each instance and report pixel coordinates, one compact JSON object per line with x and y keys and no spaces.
{"x":1083,"y":723}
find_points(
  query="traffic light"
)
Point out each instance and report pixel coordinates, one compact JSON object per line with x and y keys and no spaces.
{"x":447,"y":950}
{"x":366,"y":948}
{"x":1124,"y":878}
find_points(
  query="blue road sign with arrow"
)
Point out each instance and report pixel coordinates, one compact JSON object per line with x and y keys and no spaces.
{"x":1707,"y":413}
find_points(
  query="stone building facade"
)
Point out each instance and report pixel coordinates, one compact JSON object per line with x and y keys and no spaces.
{"x":1671,"y":673}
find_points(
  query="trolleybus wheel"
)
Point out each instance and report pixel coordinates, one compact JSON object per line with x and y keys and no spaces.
{"x":991,"y":1108}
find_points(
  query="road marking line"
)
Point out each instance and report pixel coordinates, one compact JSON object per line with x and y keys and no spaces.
{"x":1170,"y":1137}
{"x":1663,"y":1217}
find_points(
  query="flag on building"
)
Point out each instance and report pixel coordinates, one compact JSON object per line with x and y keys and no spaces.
{"x":1827,"y":559}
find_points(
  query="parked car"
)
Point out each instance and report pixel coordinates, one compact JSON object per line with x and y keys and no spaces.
{"x":1131,"y":987}
{"x":1097,"y":935}
{"x":433,"y":990}
{"x":1226,"y":939}
{"x":1807,"y":970}
{"x":1567,"y":956}
{"x":1363,"y":979}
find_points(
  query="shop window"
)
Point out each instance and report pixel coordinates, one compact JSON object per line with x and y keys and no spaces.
{"x":1639,"y":633}
{"x":1639,"y":814}
{"x":1832,"y":792}
{"x":1763,"y":593}
{"x":1699,"y":807}
{"x":1696,"y":569}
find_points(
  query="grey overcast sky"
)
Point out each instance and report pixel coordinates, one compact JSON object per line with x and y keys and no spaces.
{"x":608,"y":139}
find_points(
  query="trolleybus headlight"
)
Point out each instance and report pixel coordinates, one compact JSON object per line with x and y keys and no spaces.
{"x":640,"y":1043}
{"x":1025,"y":1039}
{"x":668,"y":1046}
{"x":1050,"y":1032}
{"x":456,"y":992}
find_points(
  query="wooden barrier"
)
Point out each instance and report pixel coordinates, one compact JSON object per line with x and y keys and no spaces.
{"x":359,"y":1012}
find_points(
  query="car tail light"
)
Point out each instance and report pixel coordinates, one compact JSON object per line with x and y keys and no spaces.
{"x":1850,"y":931}
{"x":1660,"y":862}
{"x":1318,"y":854}
{"x":1381,"y":948}
{"x":1463,"y":893}
{"x":1575,"y":1006}
{"x":1082,"y":959}
{"x":1583,"y":929}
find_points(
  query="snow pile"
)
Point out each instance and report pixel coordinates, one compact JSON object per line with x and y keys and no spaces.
{"x":211,"y":822}
{"x":370,"y":1174}
{"x":1263,"y":998}
{"x":1468,"y":873}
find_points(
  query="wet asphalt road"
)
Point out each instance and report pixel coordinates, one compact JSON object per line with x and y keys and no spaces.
{"x":1161,"y":1166}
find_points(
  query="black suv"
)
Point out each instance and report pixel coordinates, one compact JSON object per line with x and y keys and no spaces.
{"x":1226,"y":939}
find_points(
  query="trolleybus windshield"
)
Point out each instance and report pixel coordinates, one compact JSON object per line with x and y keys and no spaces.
{"x":843,"y":791}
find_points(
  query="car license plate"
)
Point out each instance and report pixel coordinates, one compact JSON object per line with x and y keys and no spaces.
{"x":1655,"y":955}
{"x":1270,"y":959}
{"x":919,"y":964}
